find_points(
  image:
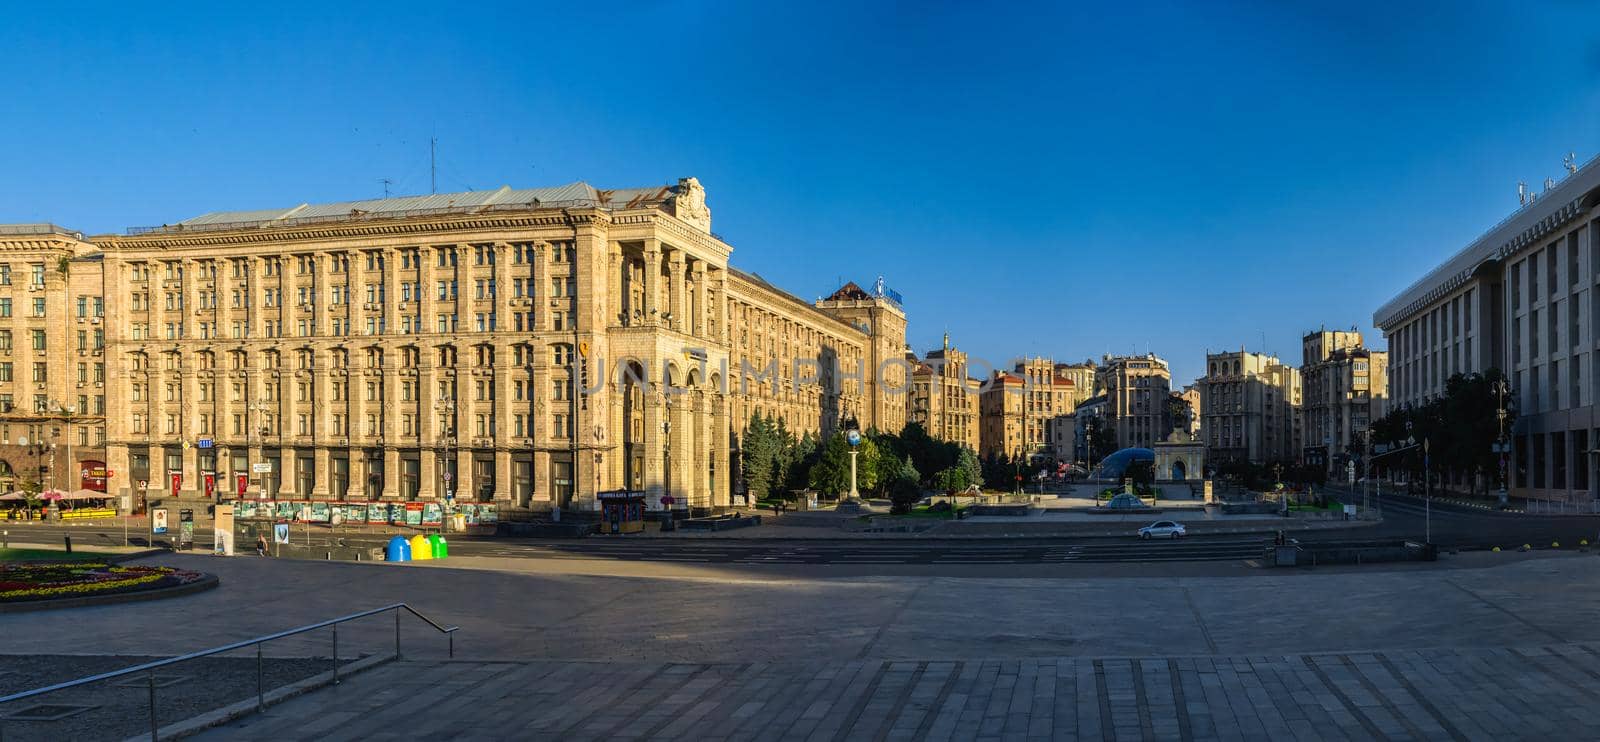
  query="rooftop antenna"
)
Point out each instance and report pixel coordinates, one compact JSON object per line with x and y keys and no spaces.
{"x":1522,"y":192}
{"x":433,"y":165}
{"x":1571,"y":162}
{"x":1549,"y":183}
{"x":386,"y":183}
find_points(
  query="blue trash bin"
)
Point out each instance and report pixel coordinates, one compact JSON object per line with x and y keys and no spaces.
{"x":398,"y":550}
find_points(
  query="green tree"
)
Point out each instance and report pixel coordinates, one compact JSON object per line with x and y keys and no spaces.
{"x":967,"y":462}
{"x":759,"y":456}
{"x":831,"y":473}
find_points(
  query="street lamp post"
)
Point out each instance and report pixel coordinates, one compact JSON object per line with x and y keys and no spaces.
{"x":1501,"y":445}
{"x":853,"y":437}
{"x":1427,"y":495}
{"x":448,"y":407}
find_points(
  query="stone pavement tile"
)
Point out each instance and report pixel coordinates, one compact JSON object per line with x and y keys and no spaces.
{"x":1517,"y":705}
{"x":1089,"y":710}
{"x":853,"y":690}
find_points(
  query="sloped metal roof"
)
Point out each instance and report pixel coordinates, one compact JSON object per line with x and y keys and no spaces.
{"x":571,"y":194}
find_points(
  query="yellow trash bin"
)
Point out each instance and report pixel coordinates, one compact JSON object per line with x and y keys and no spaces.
{"x":421,"y":548}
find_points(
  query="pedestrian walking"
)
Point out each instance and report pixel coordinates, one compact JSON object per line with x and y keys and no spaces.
{"x":261,"y":545}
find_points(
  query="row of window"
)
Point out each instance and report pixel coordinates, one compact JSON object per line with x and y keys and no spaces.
{"x":410,"y":259}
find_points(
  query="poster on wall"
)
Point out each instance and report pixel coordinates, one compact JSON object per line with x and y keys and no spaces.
{"x":432,"y":514}
{"x":397,"y":513}
{"x":413,"y":511}
{"x":321,"y":512}
{"x":245,"y":509}
{"x":352,"y":512}
{"x":377,"y":513}
{"x":468,"y":512}
{"x":488,"y":513}
{"x":285,"y":509}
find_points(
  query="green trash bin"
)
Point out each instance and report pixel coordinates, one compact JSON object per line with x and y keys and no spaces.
{"x":441,"y":548}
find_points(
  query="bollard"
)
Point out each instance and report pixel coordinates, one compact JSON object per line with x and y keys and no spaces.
{"x":68,"y":538}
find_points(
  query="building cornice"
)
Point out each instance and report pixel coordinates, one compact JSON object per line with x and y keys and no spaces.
{"x":395,"y":227}
{"x":1523,"y":229}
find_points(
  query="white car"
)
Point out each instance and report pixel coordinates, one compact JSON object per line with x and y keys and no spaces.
{"x":1162,"y":529}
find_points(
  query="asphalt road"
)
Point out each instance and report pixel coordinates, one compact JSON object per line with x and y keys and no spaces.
{"x":1453,"y":526}
{"x":1464,"y":527}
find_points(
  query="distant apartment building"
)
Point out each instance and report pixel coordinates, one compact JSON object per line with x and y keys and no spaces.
{"x":1089,"y":412}
{"x":1001,"y":415}
{"x":1082,"y":377}
{"x":1344,"y":386}
{"x":52,"y":360}
{"x":1136,"y":389}
{"x":943,"y":399}
{"x":1250,"y":408}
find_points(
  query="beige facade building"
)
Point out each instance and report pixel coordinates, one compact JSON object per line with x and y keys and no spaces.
{"x":1250,"y":405}
{"x":1028,"y":410}
{"x":52,"y":360}
{"x":943,"y":398}
{"x":1345,"y":386}
{"x":526,"y":347}
{"x":1000,"y":405}
{"x":1136,"y":389}
{"x":1082,"y":376}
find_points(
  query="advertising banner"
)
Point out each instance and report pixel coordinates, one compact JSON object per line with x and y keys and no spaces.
{"x":413,"y":513}
{"x":210,"y":481}
{"x":321,"y":512}
{"x":177,"y":482}
{"x":241,"y":482}
{"x":432,"y":514}
{"x":377,"y":513}
{"x":158,"y":521}
{"x":92,"y":475}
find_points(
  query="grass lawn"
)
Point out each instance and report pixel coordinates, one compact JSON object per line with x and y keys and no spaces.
{"x":18,"y":555}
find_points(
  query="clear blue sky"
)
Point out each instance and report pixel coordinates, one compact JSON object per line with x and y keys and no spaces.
{"x":1066,"y":182}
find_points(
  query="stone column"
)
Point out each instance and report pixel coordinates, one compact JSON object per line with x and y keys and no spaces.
{"x":502,"y":293}
{"x":322,"y":409}
{"x":427,"y":281}
{"x":427,"y":423}
{"x":500,"y":432}
{"x":654,"y":450}
{"x":389,"y":415}
{"x":390,"y":278}
{"x":355,"y":283}
{"x":700,"y":454}
{"x":541,"y":285}
{"x":189,"y":417}
{"x":652,"y":281}
{"x":701,"y":300}
{"x":391,"y":473}
{"x":676,"y":290}
{"x":722,"y":482}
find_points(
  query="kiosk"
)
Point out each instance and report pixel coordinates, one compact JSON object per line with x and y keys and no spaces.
{"x":621,"y":511}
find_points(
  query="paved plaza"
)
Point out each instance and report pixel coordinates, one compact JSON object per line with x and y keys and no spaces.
{"x":1482,"y":646}
{"x":1538,"y":692}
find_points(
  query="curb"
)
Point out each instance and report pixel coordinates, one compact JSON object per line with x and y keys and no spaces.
{"x":201,"y":722}
{"x":206,"y":582}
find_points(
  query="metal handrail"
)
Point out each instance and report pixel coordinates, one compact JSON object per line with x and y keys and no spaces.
{"x":151,"y":667}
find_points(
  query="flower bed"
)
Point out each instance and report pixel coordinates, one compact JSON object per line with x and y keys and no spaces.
{"x":35,"y":581}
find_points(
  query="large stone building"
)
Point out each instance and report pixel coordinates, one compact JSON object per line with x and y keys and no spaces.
{"x":1136,"y":389}
{"x":52,"y":360}
{"x":1520,"y":298}
{"x":1343,"y":386}
{"x":1250,"y":408}
{"x":943,"y":398}
{"x":526,"y":347}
